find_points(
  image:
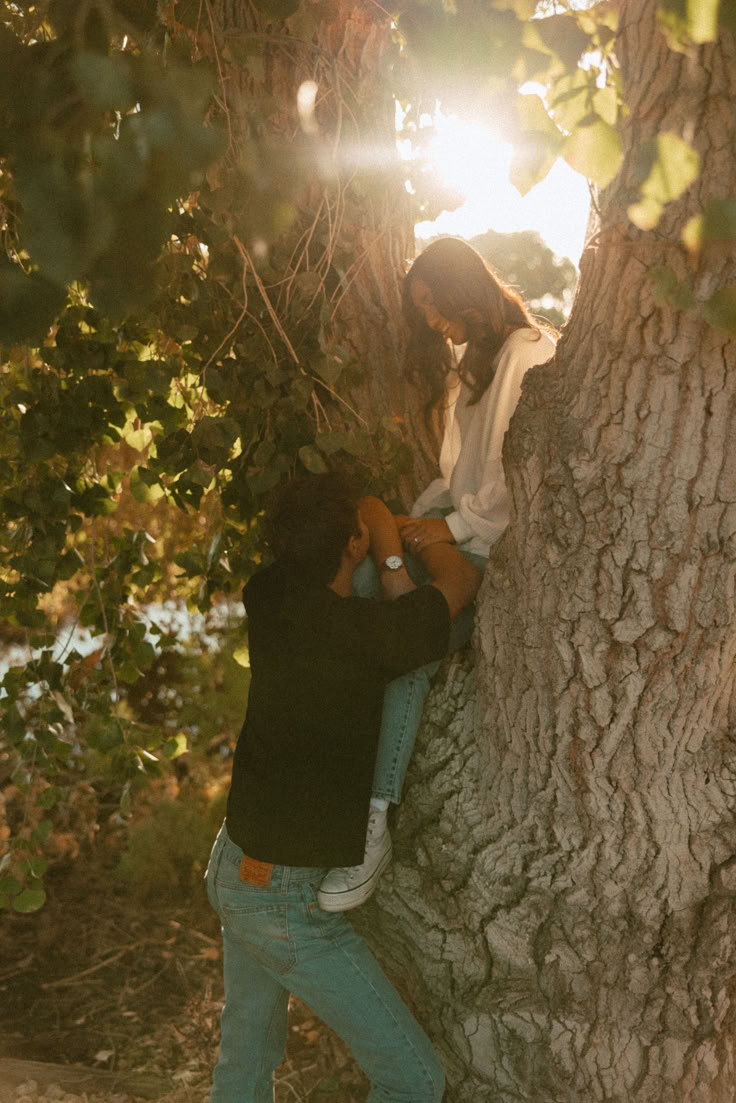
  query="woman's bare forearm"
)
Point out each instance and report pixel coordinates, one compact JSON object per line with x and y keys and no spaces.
{"x":452,"y":574}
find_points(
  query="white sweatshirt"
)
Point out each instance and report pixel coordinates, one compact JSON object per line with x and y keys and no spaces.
{"x":472,"y":483}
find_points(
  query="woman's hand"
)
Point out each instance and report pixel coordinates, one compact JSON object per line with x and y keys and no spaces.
{"x":419,"y":532}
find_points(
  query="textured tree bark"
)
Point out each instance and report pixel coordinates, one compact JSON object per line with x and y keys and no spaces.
{"x":562,"y":909}
{"x":353,"y":209}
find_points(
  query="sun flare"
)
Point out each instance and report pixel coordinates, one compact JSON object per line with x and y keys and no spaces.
{"x":470,"y":159}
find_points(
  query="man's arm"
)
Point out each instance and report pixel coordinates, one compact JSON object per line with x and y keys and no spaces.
{"x":452,"y":574}
{"x":385,"y":541}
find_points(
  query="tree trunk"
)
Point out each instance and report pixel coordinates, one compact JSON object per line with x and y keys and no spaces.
{"x":562,"y":906}
{"x":353,"y":226}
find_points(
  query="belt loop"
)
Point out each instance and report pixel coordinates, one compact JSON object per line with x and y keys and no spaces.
{"x":285,"y":871}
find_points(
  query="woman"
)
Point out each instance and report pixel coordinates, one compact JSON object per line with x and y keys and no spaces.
{"x":471,"y":340}
{"x":452,"y":297}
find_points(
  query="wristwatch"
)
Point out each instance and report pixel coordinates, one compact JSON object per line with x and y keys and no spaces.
{"x":392,"y":563}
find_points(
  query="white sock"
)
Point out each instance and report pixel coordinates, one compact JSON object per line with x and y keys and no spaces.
{"x":378,"y":804}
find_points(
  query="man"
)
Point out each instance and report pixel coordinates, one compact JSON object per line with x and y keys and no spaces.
{"x":298,"y":803}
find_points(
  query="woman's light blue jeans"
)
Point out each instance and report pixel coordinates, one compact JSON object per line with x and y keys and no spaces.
{"x":278,"y":941}
{"x":404,"y":698}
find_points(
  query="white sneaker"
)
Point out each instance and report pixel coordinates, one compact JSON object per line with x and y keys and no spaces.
{"x":347,"y":887}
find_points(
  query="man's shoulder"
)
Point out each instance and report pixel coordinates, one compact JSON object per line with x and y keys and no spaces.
{"x":264,"y":584}
{"x":281,"y":590}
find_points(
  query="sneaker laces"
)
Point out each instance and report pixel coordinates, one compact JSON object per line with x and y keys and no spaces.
{"x":374,"y":832}
{"x":376,"y":826}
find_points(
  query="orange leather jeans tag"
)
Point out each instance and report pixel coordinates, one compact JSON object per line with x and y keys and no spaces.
{"x":255,"y":873}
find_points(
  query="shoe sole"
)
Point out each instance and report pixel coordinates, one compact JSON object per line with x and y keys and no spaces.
{"x":346,"y":901}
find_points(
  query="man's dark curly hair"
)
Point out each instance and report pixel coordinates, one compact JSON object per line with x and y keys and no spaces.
{"x":308,"y":523}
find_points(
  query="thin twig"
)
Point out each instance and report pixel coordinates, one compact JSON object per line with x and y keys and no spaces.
{"x":357,"y":266}
{"x":234,"y":329}
{"x":93,"y":968}
{"x":108,"y":650}
{"x":339,"y":397}
{"x":226,"y":109}
{"x":264,"y":294}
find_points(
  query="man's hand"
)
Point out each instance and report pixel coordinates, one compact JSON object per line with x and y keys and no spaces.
{"x":418,"y":533}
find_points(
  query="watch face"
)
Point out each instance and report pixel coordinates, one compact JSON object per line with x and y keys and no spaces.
{"x":394,"y":562}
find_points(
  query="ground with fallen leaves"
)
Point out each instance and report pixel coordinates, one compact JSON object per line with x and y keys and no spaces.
{"x":98,"y":980}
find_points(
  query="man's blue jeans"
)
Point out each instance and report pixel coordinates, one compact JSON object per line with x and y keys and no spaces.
{"x":278,"y":941}
{"x":404,"y":698}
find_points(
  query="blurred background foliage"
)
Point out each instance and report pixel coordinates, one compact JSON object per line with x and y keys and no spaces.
{"x":204,"y":221}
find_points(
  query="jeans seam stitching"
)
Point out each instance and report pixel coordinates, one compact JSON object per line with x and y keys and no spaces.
{"x":407,"y":1040}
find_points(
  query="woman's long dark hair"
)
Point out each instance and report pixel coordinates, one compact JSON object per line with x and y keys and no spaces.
{"x":464,"y":288}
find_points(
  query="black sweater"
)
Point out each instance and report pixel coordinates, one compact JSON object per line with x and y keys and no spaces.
{"x":305,"y":757}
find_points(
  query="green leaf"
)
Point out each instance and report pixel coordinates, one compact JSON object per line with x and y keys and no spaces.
{"x":41,"y":831}
{"x":570,"y":99}
{"x":530,"y":164}
{"x":10,"y":885}
{"x":176,"y":746}
{"x":144,"y":485}
{"x":199,"y":473}
{"x":312,"y":460}
{"x":125,"y":800}
{"x":562,"y":35}
{"x":645,"y":214}
{"x":69,"y":564}
{"x":357,"y":443}
{"x":603,"y":15}
{"x":720,"y":310}
{"x":668,"y":291}
{"x":128,"y":672}
{"x":30,"y":900}
{"x":595,"y":151}
{"x":533,"y":117}
{"x":329,"y":369}
{"x":692,"y":233}
{"x":727,"y":15}
{"x":716,"y":223}
{"x":332,"y":442}
{"x":689,"y":21}
{"x":35,"y":866}
{"x":213,"y":437}
{"x":605,"y":104}
{"x":144,"y":654}
{"x":49,"y":797}
{"x":192,"y":562}
{"x":674,"y":167}
{"x":702,"y":19}
{"x":28,"y":305}
{"x":242,"y":656}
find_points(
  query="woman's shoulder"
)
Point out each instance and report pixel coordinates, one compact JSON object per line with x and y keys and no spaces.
{"x":530,"y":335}
{"x":534,"y":345}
